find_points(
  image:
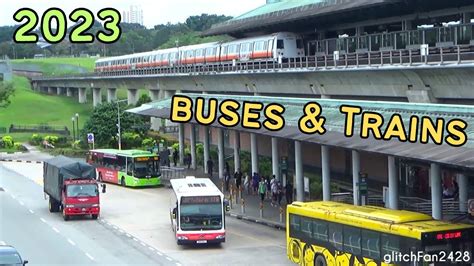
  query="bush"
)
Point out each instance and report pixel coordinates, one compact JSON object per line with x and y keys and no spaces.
{"x":19,"y":146}
{"x":52,"y":139}
{"x":36,"y":139}
{"x":148,"y":142}
{"x":131,"y":140}
{"x":7,"y":142}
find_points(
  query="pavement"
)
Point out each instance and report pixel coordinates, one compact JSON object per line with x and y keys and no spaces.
{"x":273,"y":216}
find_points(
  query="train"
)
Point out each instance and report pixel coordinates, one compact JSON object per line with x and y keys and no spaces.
{"x":277,"y":46}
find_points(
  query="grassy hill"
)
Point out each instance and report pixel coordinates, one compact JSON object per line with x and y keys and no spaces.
{"x":31,"y":108}
{"x":57,"y":66}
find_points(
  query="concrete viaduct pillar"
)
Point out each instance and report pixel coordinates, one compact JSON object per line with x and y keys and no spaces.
{"x":299,"y":180}
{"x":193,"y":145}
{"x":326,"y":173}
{"x":356,"y":176}
{"x":275,"y":159}
{"x":59,"y":91}
{"x":111,"y":95}
{"x":181,"y":143}
{"x":220,"y":150}
{"x":96,"y":96}
{"x":254,"y":152}
{"x":132,"y":96}
{"x":82,"y":95}
{"x":392,"y":184}
{"x":155,"y":122}
{"x":69,"y":92}
{"x":436,"y":192}
{"x":237,"y":150}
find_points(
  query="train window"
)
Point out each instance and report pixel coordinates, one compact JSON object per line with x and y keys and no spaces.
{"x":209,"y":52}
{"x":224,"y":50}
{"x":280,"y":44}
{"x":265,"y":45}
{"x":299,"y":44}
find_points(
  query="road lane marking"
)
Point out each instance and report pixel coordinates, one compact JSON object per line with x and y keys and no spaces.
{"x":150,"y":248}
{"x":55,"y":230}
{"x":31,"y":211}
{"x":159,"y":253}
{"x":89,"y":256}
{"x":13,"y":196}
{"x":21,"y":203}
{"x":43,"y":220}
{"x":135,"y":239}
{"x":143,"y":244}
{"x":71,"y":242}
{"x":178,"y":264}
{"x":168,"y":258}
{"x":115,"y":227}
{"x":128,"y":235}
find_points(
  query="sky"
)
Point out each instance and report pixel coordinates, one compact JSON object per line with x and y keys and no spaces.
{"x":154,"y":11}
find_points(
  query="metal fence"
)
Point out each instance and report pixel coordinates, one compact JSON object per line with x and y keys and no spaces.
{"x":62,"y":130}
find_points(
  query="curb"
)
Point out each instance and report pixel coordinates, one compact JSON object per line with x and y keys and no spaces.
{"x":259,"y":221}
{"x":20,"y":161}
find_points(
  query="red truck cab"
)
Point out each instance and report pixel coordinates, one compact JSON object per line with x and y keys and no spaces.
{"x":80,"y":197}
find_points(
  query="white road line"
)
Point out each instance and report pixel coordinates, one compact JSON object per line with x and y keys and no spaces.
{"x":159,"y":254}
{"x":121,"y":231}
{"x":115,"y":227}
{"x":2,"y":243}
{"x":13,"y":196}
{"x":150,"y":248}
{"x":89,"y":256}
{"x":71,"y":242}
{"x":128,"y":235}
{"x":168,"y":258}
{"x":135,"y":239}
{"x":55,"y":230}
{"x":143,"y":244}
{"x":31,"y":211}
{"x":21,"y":203}
{"x":178,"y":264}
{"x":43,"y":220}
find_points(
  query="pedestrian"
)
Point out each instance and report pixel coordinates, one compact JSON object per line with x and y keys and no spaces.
{"x":227,"y":181}
{"x":255,"y":182}
{"x":227,"y":168}
{"x":188,"y":160}
{"x":210,"y":166}
{"x":238,"y":179}
{"x":247,"y":183}
{"x":262,"y":188}
{"x":274,"y":188}
{"x":279,"y":192}
{"x":175,"y":157}
{"x":289,"y":193}
{"x":269,"y":187}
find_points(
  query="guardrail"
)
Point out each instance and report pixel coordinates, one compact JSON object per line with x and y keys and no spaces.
{"x":62,"y":130}
{"x":406,"y":57}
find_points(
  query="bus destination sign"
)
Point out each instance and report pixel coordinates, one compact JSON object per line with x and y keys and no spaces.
{"x":146,"y":159}
{"x":201,"y":200}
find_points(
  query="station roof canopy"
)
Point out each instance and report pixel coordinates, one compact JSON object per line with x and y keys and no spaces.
{"x":308,"y":16}
{"x":335,"y":125}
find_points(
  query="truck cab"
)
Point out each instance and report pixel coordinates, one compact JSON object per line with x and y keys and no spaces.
{"x":80,"y":197}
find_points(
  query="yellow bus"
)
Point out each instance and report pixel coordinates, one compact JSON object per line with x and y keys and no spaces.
{"x":337,"y":234}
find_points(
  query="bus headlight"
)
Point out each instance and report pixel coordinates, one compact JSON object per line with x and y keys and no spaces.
{"x":220,"y":237}
{"x":182,"y":238}
{"x":69,"y":206}
{"x":95,"y":205}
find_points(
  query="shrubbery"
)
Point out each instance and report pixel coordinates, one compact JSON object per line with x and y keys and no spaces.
{"x":7,"y":142}
{"x":36,"y":139}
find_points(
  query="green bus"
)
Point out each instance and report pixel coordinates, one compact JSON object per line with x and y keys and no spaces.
{"x":131,"y":168}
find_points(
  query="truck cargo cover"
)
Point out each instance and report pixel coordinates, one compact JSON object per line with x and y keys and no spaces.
{"x":69,"y":168}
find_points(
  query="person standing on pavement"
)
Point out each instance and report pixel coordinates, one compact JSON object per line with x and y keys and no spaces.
{"x":279,"y":192}
{"x":227,"y":181}
{"x":188,"y":160}
{"x":289,"y":193}
{"x":269,"y":187}
{"x":210,"y":165}
{"x":238,"y":179}
{"x":247,"y":183}
{"x":227,"y":168}
{"x":262,"y":188}
{"x":255,"y":182}
{"x":175,"y":157}
{"x":274,"y":188}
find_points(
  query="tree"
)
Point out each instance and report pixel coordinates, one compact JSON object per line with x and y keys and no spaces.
{"x":144,"y":98}
{"x":205,"y":21}
{"x":103,"y":123}
{"x":6,"y":90}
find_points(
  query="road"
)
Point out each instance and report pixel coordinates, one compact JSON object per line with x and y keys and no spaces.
{"x":134,"y":229}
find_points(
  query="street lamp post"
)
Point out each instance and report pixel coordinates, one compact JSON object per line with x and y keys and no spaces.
{"x":119,"y":134}
{"x":77,"y":125}
{"x":73,"y":129}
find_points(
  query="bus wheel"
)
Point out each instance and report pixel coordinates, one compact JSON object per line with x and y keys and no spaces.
{"x":65,"y":217}
{"x":320,"y":261}
{"x":122,"y":181}
{"x":95,"y":216}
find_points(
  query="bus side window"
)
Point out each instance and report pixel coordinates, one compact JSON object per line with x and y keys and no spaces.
{"x":129,"y":166}
{"x":320,"y":230}
{"x":371,"y":244}
{"x":335,"y":235}
{"x":390,"y":244}
{"x":352,"y":240}
{"x":294,"y":225}
{"x":306,"y":228}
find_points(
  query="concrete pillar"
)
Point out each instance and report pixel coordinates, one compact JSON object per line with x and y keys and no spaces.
{"x":59,"y":91}
{"x":436,"y":192}
{"x":237,"y":150}
{"x":392,"y":184}
{"x":69,"y":92}
{"x":181,"y":143}
{"x":326,"y":173}
{"x":407,"y":25}
{"x":111,"y":95}
{"x":463,"y":197}
{"x":82,"y":95}
{"x":275,"y":158}
{"x":132,"y":96}
{"x":193,"y":145}
{"x":466,"y":18}
{"x":96,"y":96}
{"x":356,"y":176}
{"x":155,"y":122}
{"x":299,"y":182}
{"x":359,"y":31}
{"x":206,"y":149}
{"x":254,"y":152}
{"x":220,"y":151}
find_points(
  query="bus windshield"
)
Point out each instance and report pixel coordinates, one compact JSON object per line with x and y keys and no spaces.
{"x":201,"y":213}
{"x":146,"y":169}
{"x":88,"y":190}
